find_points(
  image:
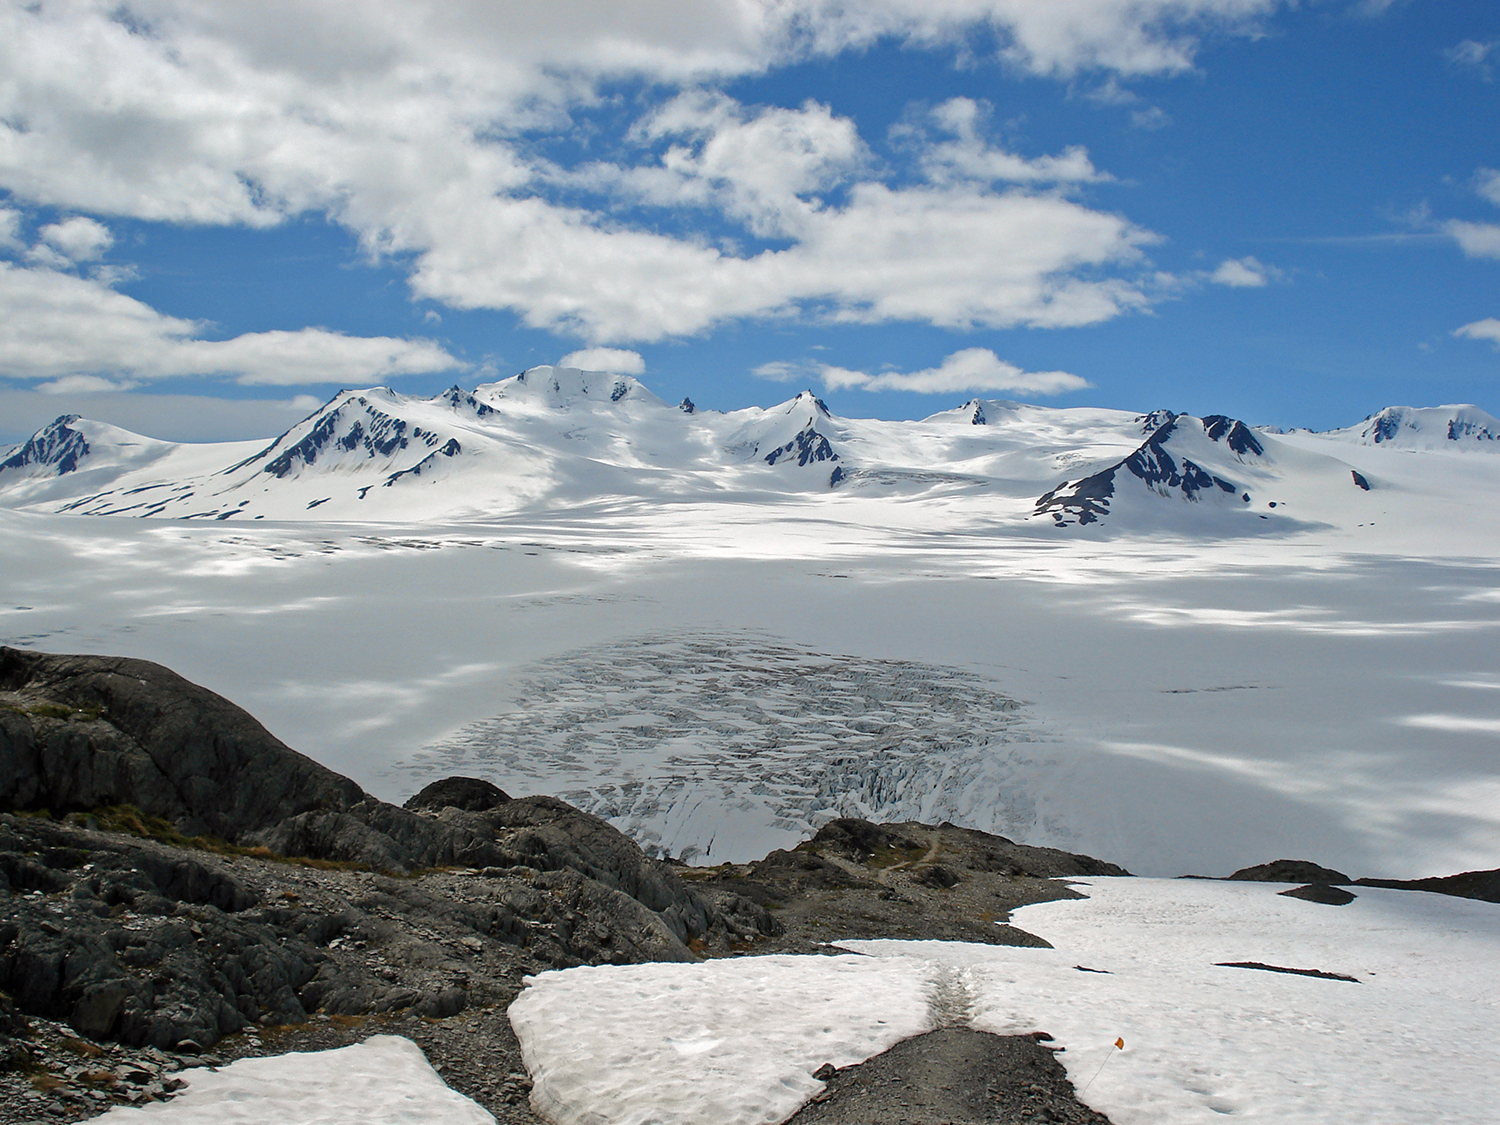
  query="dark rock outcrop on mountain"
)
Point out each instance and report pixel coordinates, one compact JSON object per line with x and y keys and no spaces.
{"x":355,"y":425}
{"x":862,"y":840}
{"x":1290,"y":871}
{"x":1233,"y":433}
{"x":57,"y":445}
{"x":149,"y":944}
{"x":808,"y":446}
{"x":1483,"y":885}
{"x":856,"y":879}
{"x":1086,"y":500}
{"x":471,"y":794}
{"x":80,"y":732}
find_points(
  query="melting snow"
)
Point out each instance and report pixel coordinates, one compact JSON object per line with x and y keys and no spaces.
{"x":1416,"y":1038}
{"x":386,"y":1080}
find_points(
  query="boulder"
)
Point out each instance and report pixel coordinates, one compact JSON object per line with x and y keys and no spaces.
{"x":471,"y":794}
{"x":1290,"y":871}
{"x":84,"y":732}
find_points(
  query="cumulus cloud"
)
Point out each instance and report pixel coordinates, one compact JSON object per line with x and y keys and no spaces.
{"x":1486,"y":329}
{"x":616,"y":361}
{"x":780,"y":371}
{"x":1476,"y":240}
{"x":81,"y":335}
{"x":411,"y":122}
{"x":10,"y":229}
{"x":1487,"y":183}
{"x":1243,"y":273}
{"x":968,"y":156}
{"x":759,"y":165}
{"x":170,"y":417}
{"x":972,"y":369}
{"x":80,"y":239}
{"x":1476,"y":55}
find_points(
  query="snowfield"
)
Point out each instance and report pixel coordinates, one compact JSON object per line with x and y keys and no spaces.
{"x":1416,"y":1037}
{"x":1190,"y":682}
{"x":386,"y":1080}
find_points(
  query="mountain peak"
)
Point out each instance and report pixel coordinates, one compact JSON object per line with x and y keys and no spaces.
{"x":1454,"y":426}
{"x":57,"y":446}
{"x":562,"y":387}
{"x":808,"y":398}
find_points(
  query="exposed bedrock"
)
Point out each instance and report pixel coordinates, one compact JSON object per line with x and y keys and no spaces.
{"x":82,"y":733}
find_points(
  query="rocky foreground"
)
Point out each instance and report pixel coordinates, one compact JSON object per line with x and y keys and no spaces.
{"x":178,"y":889}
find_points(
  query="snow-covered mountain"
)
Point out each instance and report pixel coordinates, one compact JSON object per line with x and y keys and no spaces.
{"x":1457,"y":427}
{"x":1214,"y":462}
{"x":71,"y":444}
{"x":555,"y":437}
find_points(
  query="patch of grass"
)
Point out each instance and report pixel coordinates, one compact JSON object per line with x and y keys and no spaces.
{"x":133,"y":822}
{"x":47,"y":710}
{"x":81,"y":1047}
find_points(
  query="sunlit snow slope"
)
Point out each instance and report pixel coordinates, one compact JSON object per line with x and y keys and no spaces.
{"x":554,"y":438}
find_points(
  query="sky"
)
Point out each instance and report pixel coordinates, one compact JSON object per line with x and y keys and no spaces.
{"x":215,"y":215}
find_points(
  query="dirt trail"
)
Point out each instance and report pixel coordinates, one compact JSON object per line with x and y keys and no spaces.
{"x":952,"y":1076}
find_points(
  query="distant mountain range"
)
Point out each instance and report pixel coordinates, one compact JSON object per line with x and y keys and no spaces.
{"x":556,"y":437}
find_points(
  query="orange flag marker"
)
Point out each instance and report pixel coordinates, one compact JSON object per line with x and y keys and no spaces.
{"x":1119,"y":1045}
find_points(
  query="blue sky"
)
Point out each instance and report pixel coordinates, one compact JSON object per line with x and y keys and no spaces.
{"x":213,"y":215}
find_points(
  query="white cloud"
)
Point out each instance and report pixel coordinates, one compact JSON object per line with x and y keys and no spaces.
{"x":409,"y":123}
{"x":10,"y":229}
{"x":80,"y":238}
{"x":59,"y":326}
{"x":1486,"y":329}
{"x":1476,"y":240}
{"x":616,"y":361}
{"x":757,"y":165}
{"x":1243,"y":273}
{"x":969,"y":157}
{"x":165,"y":416}
{"x":84,"y":385}
{"x":780,"y":371}
{"x":972,"y":369}
{"x":1473,"y":53}
{"x":1487,"y":183}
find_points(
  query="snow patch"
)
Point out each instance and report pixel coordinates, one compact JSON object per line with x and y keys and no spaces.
{"x":386,"y":1080}
{"x":731,"y":1042}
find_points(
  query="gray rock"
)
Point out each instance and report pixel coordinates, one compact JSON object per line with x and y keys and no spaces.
{"x":1290,"y":871}
{"x":1321,"y":892}
{"x":93,"y":731}
{"x":471,"y":794}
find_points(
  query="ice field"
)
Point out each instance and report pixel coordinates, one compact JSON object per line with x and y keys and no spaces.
{"x":1184,"y":706}
{"x":667,"y":618}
